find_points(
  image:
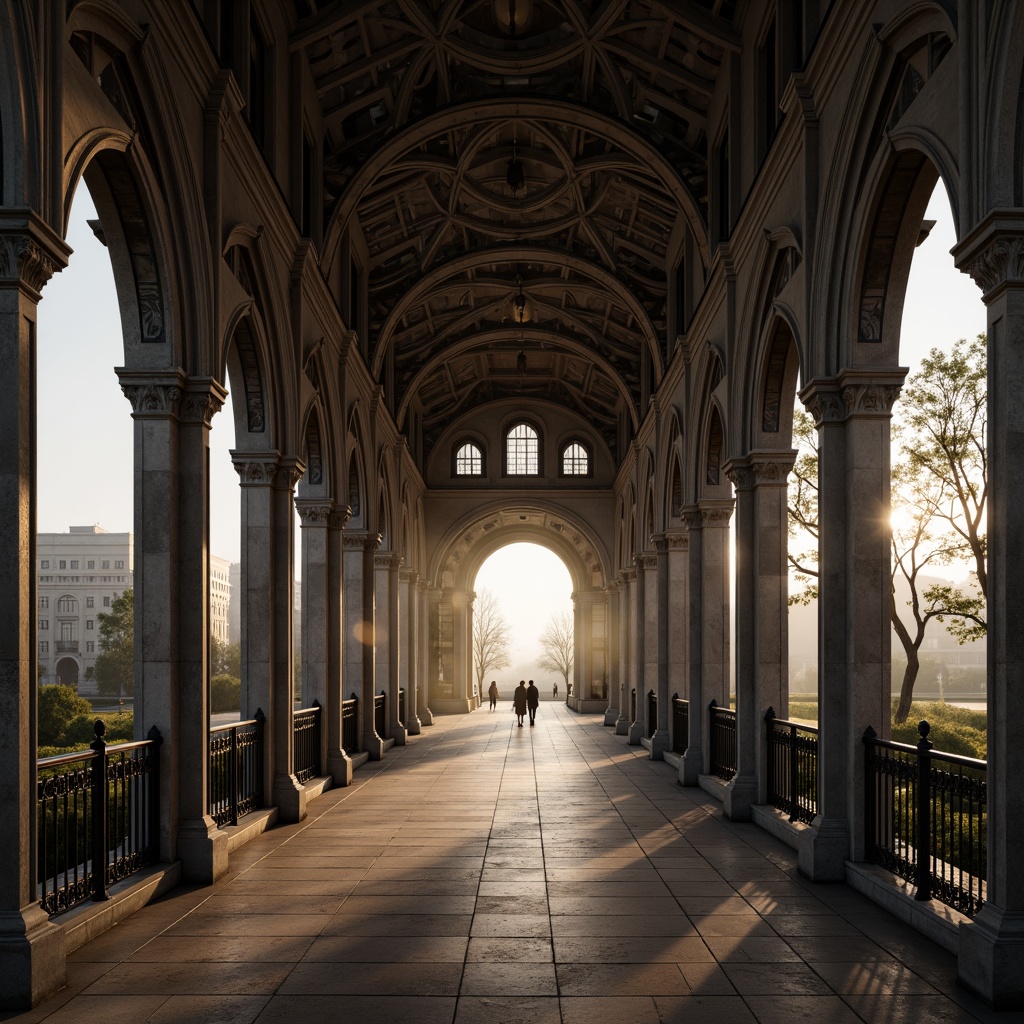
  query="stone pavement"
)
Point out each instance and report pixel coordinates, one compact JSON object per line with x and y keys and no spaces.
{"x":487,"y":873}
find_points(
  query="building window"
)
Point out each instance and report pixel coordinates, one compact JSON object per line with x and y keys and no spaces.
{"x":63,"y":564}
{"x":44,"y":564}
{"x":91,"y":564}
{"x":89,"y":602}
{"x":469,"y":461}
{"x":106,"y":602}
{"x":575,"y":460}
{"x":67,"y":605}
{"x":90,"y":646}
{"x":105,"y":564}
{"x":522,"y":451}
{"x":44,"y":646}
{"x":74,"y":563}
{"x":119,"y":564}
{"x":44,"y":623}
{"x":90,"y":624}
{"x":44,"y":601}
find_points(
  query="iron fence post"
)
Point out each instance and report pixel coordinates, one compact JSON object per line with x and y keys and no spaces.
{"x":922,"y":867}
{"x":99,"y":813}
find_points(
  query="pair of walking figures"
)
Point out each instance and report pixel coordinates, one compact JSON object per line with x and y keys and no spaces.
{"x":525,"y":699}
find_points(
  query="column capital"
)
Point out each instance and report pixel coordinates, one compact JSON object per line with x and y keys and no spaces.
{"x":677,"y":540}
{"x":992,"y":253}
{"x":740,"y":474}
{"x":660,"y":542}
{"x":761,"y":468}
{"x":715,"y":512}
{"x":340,"y":516}
{"x":255,"y":469}
{"x":153,"y":395}
{"x":855,"y":392}
{"x":388,"y":560}
{"x":30,"y":251}
{"x":314,"y":511}
{"x":690,"y":515}
{"x":201,"y":399}
{"x":289,"y":472}
{"x":409,"y":576}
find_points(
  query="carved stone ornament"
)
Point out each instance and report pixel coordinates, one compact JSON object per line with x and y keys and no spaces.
{"x":1001,"y":260}
{"x":678,"y":541}
{"x":340,"y":516}
{"x":771,"y":471}
{"x":715,"y":515}
{"x":691,"y":518}
{"x":152,"y":399}
{"x":354,"y":541}
{"x":825,"y":407}
{"x":869,"y":397}
{"x":255,"y":470}
{"x":313,"y":513}
{"x":199,"y":407}
{"x":23,"y":259}
{"x":741,"y":476}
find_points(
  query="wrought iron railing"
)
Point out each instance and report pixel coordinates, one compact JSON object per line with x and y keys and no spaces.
{"x":792,"y":755}
{"x":306,"y":726}
{"x":380,"y":714}
{"x":722,"y":741}
{"x":926,"y":817}
{"x":652,"y":713}
{"x":98,"y":818}
{"x":236,"y":769}
{"x":66,"y":646}
{"x":680,"y":724}
{"x":350,"y":724}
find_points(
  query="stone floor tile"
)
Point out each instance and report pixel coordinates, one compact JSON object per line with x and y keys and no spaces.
{"x":621,"y":925}
{"x":838,"y":949}
{"x":522,"y":903}
{"x":416,"y":887}
{"x":887,"y":978}
{"x":510,"y":925}
{"x":703,"y":1010}
{"x":651,"y":889}
{"x":507,"y":1010}
{"x":778,"y":980}
{"x":497,"y":978}
{"x":257,"y":904}
{"x":706,"y":979}
{"x":410,"y":904}
{"x":918,"y":1009}
{"x":736,"y":925}
{"x":804,"y":1010}
{"x":525,"y":950}
{"x":106,"y":1009}
{"x":376,"y":1009}
{"x":252,"y":947}
{"x":321,"y":886}
{"x":609,"y":1010}
{"x":621,"y":980}
{"x":344,"y":949}
{"x":617,"y":950}
{"x":614,"y":905}
{"x":812,"y":924}
{"x":717,"y":892}
{"x":209,"y":1010}
{"x":192,"y":979}
{"x":367,"y":979}
{"x":750,"y":949}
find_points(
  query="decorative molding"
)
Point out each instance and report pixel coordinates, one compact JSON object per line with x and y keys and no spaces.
{"x":255,"y":469}
{"x":741,"y":475}
{"x":340,"y":516}
{"x":152,"y":399}
{"x":823,"y":401}
{"x":23,"y":259}
{"x":202,"y":399}
{"x":678,"y":540}
{"x":691,"y":517}
{"x":1001,"y":260}
{"x":313,"y":512}
{"x":717,"y":515}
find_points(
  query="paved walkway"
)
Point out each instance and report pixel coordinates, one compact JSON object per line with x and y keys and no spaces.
{"x":487,"y":873}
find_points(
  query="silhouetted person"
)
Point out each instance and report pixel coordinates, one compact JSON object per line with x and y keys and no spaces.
{"x":555,"y":692}
{"x":519,"y":701}
{"x":532,"y":700}
{"x":492,"y":692}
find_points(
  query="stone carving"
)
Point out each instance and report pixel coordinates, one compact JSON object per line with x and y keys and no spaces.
{"x":24,"y":259}
{"x":313,"y":513}
{"x":1002,"y":259}
{"x":771,"y":471}
{"x":252,"y":381}
{"x":256,"y":470}
{"x":825,"y":407}
{"x":152,"y":399}
{"x":870,"y":397}
{"x":742,"y":476}
{"x":691,"y":518}
{"x":199,"y":407}
{"x":715,"y":515}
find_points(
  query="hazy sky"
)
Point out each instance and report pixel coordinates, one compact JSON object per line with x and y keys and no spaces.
{"x":85,"y":426}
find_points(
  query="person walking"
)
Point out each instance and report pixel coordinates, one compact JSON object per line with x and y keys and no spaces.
{"x":519,"y":701}
{"x":492,"y":692}
{"x":555,"y":692}
{"x":532,"y":700}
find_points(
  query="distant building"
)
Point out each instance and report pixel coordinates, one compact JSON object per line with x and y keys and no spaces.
{"x":235,"y":607}
{"x":81,"y":573}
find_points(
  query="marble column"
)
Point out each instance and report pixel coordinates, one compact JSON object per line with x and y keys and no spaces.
{"x":623,"y":722}
{"x":366,"y":644}
{"x":338,"y":763}
{"x":716,"y":514}
{"x":612,"y":634}
{"x":31,"y":948}
{"x":854,"y":688}
{"x":580,"y":666}
{"x":423,"y":650}
{"x":691,"y":764}
{"x":660,"y":741}
{"x":314,"y":522}
{"x":678,"y":613}
{"x":399,"y":732}
{"x":639,"y":665}
{"x":991,"y":961}
{"x":409,"y":663}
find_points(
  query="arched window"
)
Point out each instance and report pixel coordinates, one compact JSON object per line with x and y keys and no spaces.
{"x":522,"y":451}
{"x":575,"y":460}
{"x":67,"y":605}
{"x":469,"y":460}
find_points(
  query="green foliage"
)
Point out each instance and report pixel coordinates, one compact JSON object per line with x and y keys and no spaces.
{"x":57,"y":707}
{"x":225,"y":693}
{"x":115,"y":664}
{"x":953,"y":730}
{"x":225,"y":658}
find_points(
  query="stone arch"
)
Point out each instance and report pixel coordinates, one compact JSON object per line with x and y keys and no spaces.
{"x":355,"y":477}
{"x":316,"y":454}
{"x":246,"y":368}
{"x":473,"y":539}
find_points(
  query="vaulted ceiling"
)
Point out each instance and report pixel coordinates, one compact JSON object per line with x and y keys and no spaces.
{"x":523,"y":173}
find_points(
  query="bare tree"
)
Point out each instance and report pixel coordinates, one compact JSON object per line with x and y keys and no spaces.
{"x":491,"y":637}
{"x":557,"y":644}
{"x":802,"y":500}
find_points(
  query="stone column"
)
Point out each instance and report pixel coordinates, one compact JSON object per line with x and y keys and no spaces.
{"x":288,"y":793}
{"x":31,"y":948}
{"x":612,"y":660}
{"x":462,"y":649}
{"x":678,"y":614}
{"x":383,"y":669}
{"x":202,"y":849}
{"x":623,"y":722}
{"x":639,"y":666}
{"x":314,"y":523}
{"x":338,"y":763}
{"x":410,"y":662}
{"x":691,"y":765}
{"x":991,"y":962}
{"x":854,"y":687}
{"x":366,"y":632}
{"x":741,"y":792}
{"x":352,"y":623}
{"x":715,"y":516}
{"x":660,"y":741}
{"x":394,"y":632}
{"x":423,"y":648}
{"x":580,"y":668}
